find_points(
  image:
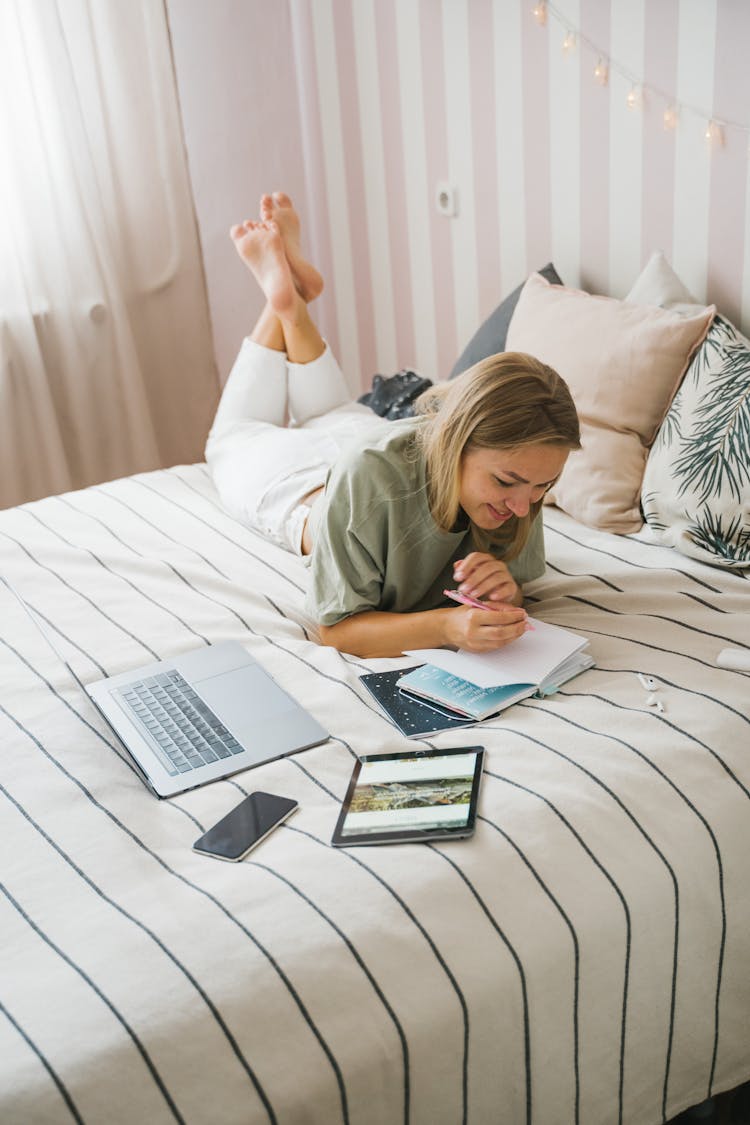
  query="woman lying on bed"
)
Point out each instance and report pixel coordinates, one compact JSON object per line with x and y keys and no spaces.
{"x":390,"y":512}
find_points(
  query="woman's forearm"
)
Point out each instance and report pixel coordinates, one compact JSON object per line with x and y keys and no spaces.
{"x":375,"y":633}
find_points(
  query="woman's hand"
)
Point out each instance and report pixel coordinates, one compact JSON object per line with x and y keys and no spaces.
{"x":482,"y":576}
{"x":482,"y":630}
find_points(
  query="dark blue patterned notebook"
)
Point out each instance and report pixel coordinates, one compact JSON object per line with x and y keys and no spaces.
{"x":412,"y":717}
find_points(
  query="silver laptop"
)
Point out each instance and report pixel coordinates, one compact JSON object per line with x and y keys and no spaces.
{"x":198,"y":717}
{"x":202,"y":716}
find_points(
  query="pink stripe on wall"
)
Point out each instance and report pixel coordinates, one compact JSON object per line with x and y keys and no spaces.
{"x":661,"y":29}
{"x":436,"y":147}
{"x":595,"y":129}
{"x":385,"y":25}
{"x":536,"y":142}
{"x":483,"y":103}
{"x":726,"y":237}
{"x":355,"y":188}
{"x":318,"y":234}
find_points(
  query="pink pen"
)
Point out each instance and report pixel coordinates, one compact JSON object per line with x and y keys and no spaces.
{"x":466,"y":600}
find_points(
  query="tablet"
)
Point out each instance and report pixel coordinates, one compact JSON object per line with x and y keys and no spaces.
{"x":410,"y":797}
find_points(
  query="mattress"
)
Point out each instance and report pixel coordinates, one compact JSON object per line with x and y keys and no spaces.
{"x":582,"y":958}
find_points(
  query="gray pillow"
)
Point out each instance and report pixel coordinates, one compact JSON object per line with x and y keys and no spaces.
{"x":489,"y":338}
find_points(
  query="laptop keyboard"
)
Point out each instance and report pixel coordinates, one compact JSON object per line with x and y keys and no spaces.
{"x":184,"y":729}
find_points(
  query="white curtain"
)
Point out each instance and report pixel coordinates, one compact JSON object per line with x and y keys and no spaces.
{"x":106,"y":363}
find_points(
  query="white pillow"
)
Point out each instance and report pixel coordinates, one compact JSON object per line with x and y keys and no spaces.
{"x":658,"y":284}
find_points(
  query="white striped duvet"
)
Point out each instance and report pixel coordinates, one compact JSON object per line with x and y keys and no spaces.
{"x":585,"y":958}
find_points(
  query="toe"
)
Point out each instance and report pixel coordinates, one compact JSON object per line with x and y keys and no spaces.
{"x":281,"y":199}
{"x":266,"y":205}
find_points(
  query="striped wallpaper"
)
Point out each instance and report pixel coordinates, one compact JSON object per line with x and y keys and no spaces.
{"x":393,"y":96}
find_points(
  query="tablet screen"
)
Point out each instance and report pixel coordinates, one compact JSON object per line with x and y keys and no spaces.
{"x":427,"y":795}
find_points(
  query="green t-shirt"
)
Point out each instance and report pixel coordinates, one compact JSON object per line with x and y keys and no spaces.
{"x":375,"y":543}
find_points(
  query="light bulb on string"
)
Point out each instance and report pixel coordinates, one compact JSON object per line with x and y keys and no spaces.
{"x":569,"y":43}
{"x":601,"y":72}
{"x":539,"y":12}
{"x":634,"y":98}
{"x":671,"y":117}
{"x":714,"y":134}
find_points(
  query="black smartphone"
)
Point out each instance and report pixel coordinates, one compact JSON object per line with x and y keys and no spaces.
{"x":245,"y":826}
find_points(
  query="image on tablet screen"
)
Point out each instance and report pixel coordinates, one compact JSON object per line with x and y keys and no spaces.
{"x":422,"y":794}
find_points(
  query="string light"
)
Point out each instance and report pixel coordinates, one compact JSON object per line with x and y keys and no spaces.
{"x":714,"y":134}
{"x":601,"y":73}
{"x":671,"y":117}
{"x":539,"y":12}
{"x":634,"y":100}
{"x":715,"y":129}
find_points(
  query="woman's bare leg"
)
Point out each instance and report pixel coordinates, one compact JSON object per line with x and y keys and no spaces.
{"x":267,"y":331}
{"x":280,"y":209}
{"x":261,"y":248}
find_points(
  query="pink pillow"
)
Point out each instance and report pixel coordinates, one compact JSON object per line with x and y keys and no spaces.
{"x":623,"y":364}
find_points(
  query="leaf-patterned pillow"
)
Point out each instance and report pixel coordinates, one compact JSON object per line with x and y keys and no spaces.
{"x":696,"y":488}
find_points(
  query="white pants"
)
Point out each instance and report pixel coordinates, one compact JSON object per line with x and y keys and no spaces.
{"x":262,"y":467}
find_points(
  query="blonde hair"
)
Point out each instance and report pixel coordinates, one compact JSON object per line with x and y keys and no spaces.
{"x":505,"y":402}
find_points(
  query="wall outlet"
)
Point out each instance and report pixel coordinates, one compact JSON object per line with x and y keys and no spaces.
{"x":446,"y":199}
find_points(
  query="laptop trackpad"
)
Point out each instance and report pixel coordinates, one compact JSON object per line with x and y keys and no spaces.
{"x":244,"y":698}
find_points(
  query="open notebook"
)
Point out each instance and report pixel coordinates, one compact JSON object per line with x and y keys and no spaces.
{"x":537,"y":658}
{"x":476,"y":685}
{"x":438,"y":695}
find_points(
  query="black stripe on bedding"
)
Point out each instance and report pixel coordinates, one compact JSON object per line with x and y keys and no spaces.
{"x":657,"y":648}
{"x":663,"y":719}
{"x":65,"y":637}
{"x":42,"y":1059}
{"x":714,"y":841}
{"x":179,"y":543}
{"x":585,"y":574}
{"x":114,"y":573}
{"x":121,"y":754}
{"x":80,"y":594}
{"x":85,"y":976}
{"x":675,"y":885}
{"x":651,"y":616}
{"x":576,"y":960}
{"x":61,"y":699}
{"x":190,"y":512}
{"x":189,"y":883}
{"x":630,"y":562}
{"x":277,"y":609}
{"x":215,"y":504}
{"x":614,"y":738}
{"x":360,"y":961}
{"x":522,"y":977}
{"x":346,"y":853}
{"x":188,"y":583}
{"x":146,"y":929}
{"x":703,"y":602}
{"x":155,"y":527}
{"x":613,"y":883}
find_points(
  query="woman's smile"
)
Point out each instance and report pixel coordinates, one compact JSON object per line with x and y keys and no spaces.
{"x":497,"y":484}
{"x":498,"y":516}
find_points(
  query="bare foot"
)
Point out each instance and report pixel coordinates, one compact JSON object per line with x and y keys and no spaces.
{"x":279,"y":208}
{"x":262,"y":250}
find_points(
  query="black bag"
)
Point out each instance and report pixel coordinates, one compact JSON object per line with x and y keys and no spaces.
{"x":393,"y":396}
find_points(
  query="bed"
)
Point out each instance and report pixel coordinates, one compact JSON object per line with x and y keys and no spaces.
{"x":583,"y":958}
